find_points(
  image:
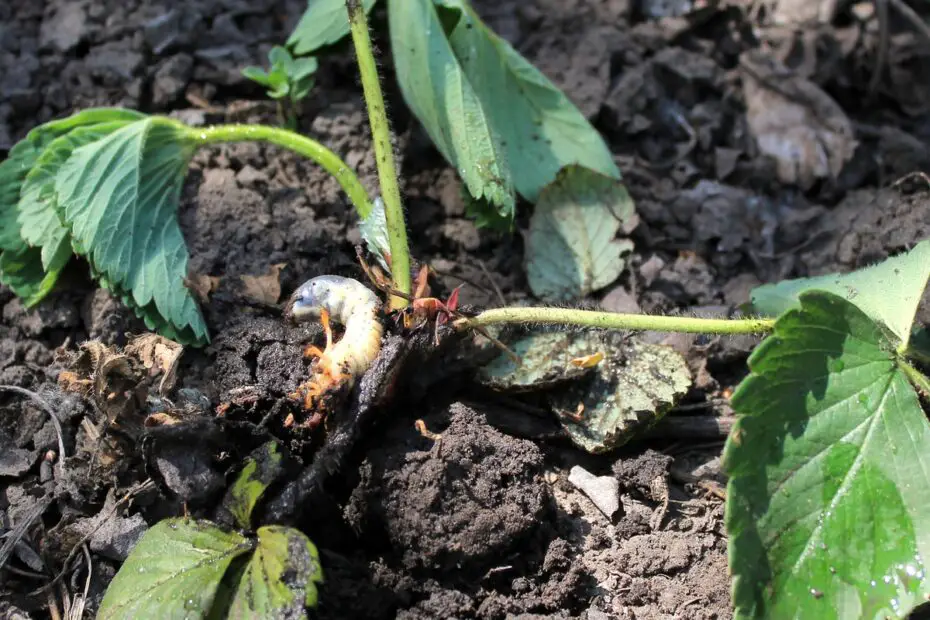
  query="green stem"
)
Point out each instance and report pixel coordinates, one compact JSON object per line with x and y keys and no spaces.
{"x":292,"y":141}
{"x":918,"y":379}
{"x":611,"y":320}
{"x":384,"y":153}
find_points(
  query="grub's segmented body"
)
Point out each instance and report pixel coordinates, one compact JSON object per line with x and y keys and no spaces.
{"x":354,"y":306}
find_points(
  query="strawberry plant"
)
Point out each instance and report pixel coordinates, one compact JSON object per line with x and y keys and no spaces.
{"x":288,"y":78}
{"x":828,"y":459}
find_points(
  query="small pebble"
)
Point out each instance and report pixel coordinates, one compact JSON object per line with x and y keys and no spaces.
{"x":604,"y":491}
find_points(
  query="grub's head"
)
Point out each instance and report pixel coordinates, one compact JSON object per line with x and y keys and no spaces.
{"x":312,"y":296}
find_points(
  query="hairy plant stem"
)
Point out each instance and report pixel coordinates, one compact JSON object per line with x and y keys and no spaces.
{"x":611,"y":320}
{"x":384,"y":153}
{"x":292,"y":141}
{"x":918,"y":379}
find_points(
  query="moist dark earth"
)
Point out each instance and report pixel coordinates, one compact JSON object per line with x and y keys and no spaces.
{"x":482,"y":523}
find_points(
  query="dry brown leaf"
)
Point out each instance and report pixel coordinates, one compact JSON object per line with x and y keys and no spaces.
{"x":202,"y":285}
{"x":159,"y":354}
{"x":265,"y":288}
{"x":104,"y":374}
{"x":795,"y":122}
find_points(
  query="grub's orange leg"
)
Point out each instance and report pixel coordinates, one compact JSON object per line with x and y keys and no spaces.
{"x":311,"y":350}
{"x":327,"y":328}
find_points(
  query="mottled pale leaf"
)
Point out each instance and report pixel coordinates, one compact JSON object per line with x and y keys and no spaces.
{"x":323,"y":23}
{"x":829,"y":466}
{"x":546,"y":360}
{"x":571,"y":249}
{"x":540,"y":129}
{"x":608,"y":388}
{"x":631,"y":389}
{"x":120,"y":197}
{"x":889,"y":291}
{"x":281,"y":578}
{"x":261,"y":469}
{"x":442,"y":97}
{"x":173,"y":571}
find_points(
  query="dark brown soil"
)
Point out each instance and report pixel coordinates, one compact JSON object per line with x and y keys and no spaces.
{"x":483,"y":523}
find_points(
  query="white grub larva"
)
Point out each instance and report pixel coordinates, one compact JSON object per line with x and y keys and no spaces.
{"x":354,"y":306}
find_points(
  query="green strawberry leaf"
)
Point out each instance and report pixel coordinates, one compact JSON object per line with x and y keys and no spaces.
{"x":442,"y":97}
{"x":257,"y":75}
{"x":889,"y":291}
{"x":635,"y":385}
{"x":490,"y":112}
{"x":541,"y":129}
{"x":23,"y":156}
{"x":119,"y":196}
{"x":174,"y":571}
{"x":280,"y":579}
{"x":280,"y":58}
{"x":571,"y":250}
{"x":829,"y":467}
{"x":302,"y":68}
{"x":149,"y":313}
{"x":323,"y":23}
{"x":24,"y":273}
{"x":38,"y":207}
{"x":13,"y":172}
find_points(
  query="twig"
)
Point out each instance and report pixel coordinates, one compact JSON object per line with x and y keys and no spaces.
{"x":448,"y":274}
{"x":52,"y":606}
{"x":24,"y":573}
{"x":51,"y":413}
{"x":497,"y":289}
{"x":145,"y":485}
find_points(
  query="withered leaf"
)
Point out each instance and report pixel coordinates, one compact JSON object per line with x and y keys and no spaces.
{"x":202,"y":285}
{"x":265,"y":288}
{"x":159,"y":354}
{"x":795,"y":122}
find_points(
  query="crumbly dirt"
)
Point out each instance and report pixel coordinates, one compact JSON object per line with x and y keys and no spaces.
{"x":482,"y":522}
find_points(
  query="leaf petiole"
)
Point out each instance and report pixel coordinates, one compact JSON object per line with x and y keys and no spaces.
{"x":918,"y":379}
{"x":295,"y":142}
{"x":611,"y":320}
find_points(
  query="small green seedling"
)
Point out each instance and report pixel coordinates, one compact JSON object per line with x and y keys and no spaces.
{"x":288,"y":79}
